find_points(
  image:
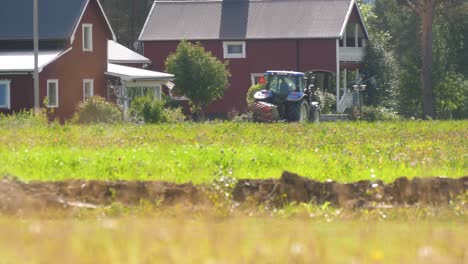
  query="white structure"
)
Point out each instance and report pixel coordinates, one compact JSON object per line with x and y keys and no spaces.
{"x":130,"y":82}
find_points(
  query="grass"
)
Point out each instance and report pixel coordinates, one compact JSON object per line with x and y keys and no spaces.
{"x":199,"y":153}
{"x":296,"y":234}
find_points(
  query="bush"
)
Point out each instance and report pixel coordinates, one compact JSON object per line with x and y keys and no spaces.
{"x":24,"y":118}
{"x":97,"y":110}
{"x":252,"y":90}
{"x":372,"y":114}
{"x":148,"y":110}
{"x":327,"y":101}
{"x":174,"y":115}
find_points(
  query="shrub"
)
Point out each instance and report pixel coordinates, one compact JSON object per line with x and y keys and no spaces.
{"x":174,"y":115}
{"x":24,"y":118}
{"x":252,"y":90}
{"x":327,"y":101}
{"x":372,"y":113}
{"x":148,"y":110}
{"x":97,"y":110}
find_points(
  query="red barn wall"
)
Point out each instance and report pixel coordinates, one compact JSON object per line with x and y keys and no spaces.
{"x":21,"y":92}
{"x":261,"y":55}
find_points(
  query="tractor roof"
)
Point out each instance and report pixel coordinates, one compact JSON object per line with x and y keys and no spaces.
{"x":292,"y":73}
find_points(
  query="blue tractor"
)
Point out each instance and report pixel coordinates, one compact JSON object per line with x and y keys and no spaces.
{"x":289,"y":96}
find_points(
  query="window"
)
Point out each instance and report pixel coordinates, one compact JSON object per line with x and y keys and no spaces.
{"x":157,"y":92}
{"x":255,"y":78}
{"x":52,"y":93}
{"x":87,"y":37}
{"x":88,"y":89}
{"x":234,"y":49}
{"x":5,"y":94}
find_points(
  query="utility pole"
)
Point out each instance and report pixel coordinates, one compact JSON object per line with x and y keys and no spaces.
{"x":36,"y":54}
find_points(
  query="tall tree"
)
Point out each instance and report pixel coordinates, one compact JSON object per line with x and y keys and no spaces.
{"x":425,"y":10}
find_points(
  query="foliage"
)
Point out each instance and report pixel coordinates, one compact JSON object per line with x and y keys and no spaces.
{"x":402,"y":26}
{"x":147,"y":109}
{"x":183,"y":152}
{"x":97,"y":110}
{"x":251,"y":92}
{"x":452,"y":96}
{"x":327,"y":101}
{"x":174,"y":115}
{"x":378,"y":113}
{"x":24,"y":118}
{"x":199,"y":75}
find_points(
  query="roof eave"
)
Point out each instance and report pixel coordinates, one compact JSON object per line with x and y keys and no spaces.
{"x":129,"y":61}
{"x":142,"y":78}
{"x":242,"y":39}
{"x":16,"y":71}
{"x":147,"y":20}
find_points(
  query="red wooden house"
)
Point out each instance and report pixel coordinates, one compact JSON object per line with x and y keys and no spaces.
{"x":75,"y":39}
{"x":260,"y":35}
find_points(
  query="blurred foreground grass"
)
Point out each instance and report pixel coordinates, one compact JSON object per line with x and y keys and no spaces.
{"x":231,"y":240}
{"x":343,"y":151}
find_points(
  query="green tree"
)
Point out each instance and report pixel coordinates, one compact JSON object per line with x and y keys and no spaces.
{"x":199,"y":75}
{"x":425,"y":10}
{"x":380,"y":64}
{"x":449,"y":51}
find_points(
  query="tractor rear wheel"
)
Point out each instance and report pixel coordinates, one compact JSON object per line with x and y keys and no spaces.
{"x":298,"y":112}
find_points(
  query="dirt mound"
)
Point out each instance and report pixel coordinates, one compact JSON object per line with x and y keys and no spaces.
{"x":294,"y":188}
{"x":17,"y":196}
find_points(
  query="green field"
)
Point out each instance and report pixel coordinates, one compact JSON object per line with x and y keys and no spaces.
{"x":296,"y":233}
{"x":345,"y":151}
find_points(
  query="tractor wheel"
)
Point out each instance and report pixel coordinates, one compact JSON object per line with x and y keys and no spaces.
{"x":298,"y":112}
{"x":314,"y":115}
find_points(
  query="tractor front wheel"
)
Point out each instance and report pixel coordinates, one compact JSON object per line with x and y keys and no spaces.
{"x":298,"y":112}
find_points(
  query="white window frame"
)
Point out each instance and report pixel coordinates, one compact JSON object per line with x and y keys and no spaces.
{"x":90,"y":26}
{"x":57,"y":93}
{"x":91,"y":82}
{"x":253,"y":75}
{"x":8,"y":97}
{"x":235,"y":55}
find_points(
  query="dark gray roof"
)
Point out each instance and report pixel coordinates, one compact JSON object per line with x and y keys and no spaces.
{"x":244,"y":19}
{"x":57,"y":18}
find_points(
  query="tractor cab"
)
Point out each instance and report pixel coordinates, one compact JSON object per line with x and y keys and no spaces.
{"x":282,"y":83}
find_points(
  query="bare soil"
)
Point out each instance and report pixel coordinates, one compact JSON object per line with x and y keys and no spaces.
{"x":17,"y":197}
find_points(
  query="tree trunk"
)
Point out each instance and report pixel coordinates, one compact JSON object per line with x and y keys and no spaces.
{"x":427,"y":16}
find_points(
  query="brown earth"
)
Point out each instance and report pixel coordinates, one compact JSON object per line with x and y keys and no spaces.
{"x":17,"y":197}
